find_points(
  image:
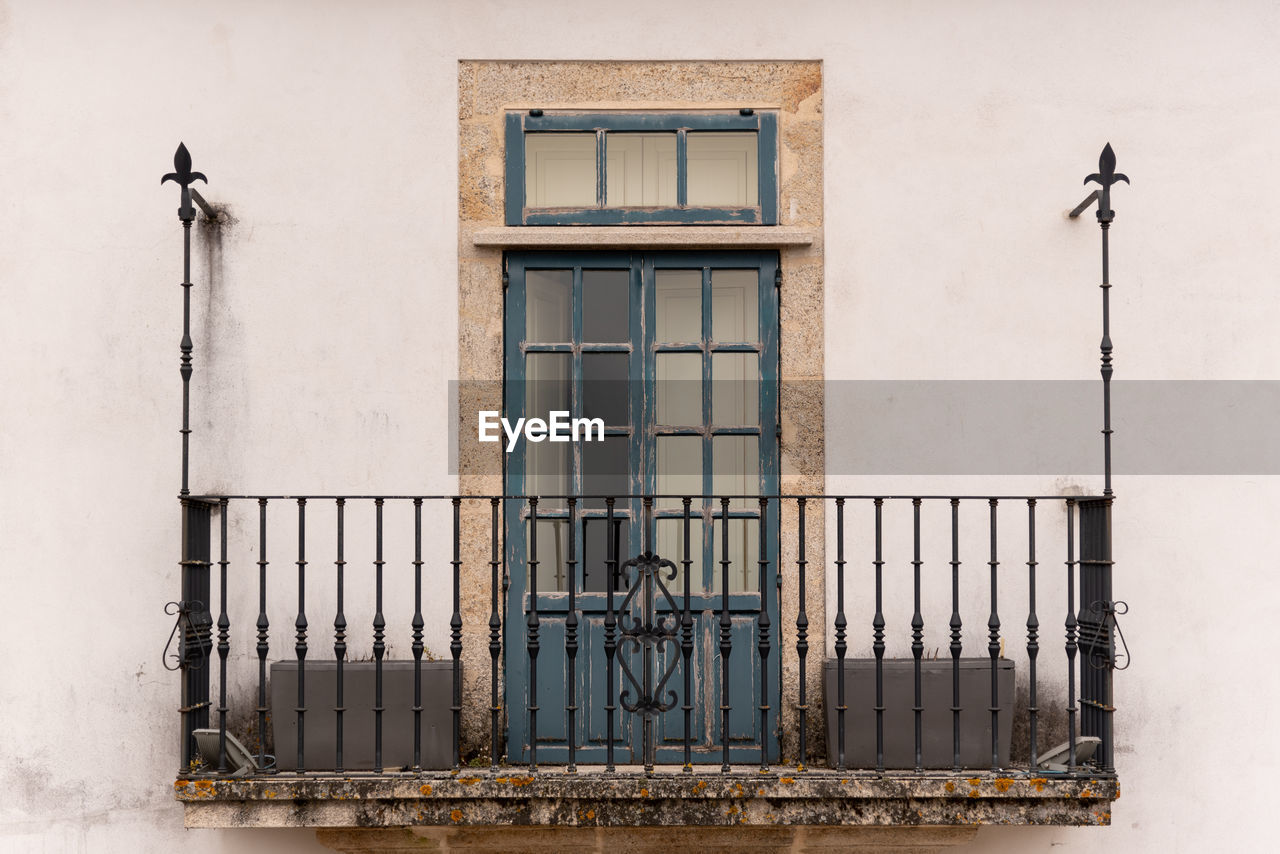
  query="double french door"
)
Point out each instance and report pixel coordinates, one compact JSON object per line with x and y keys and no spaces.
{"x":677,"y":354}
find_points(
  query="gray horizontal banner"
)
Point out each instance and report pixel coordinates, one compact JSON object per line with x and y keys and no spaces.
{"x":972,"y":427}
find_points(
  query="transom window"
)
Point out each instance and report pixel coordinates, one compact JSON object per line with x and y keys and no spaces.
{"x":634,"y":168}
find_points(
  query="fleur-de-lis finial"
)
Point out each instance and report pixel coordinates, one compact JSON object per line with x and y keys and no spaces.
{"x":183,"y":176}
{"x":1105,"y":177}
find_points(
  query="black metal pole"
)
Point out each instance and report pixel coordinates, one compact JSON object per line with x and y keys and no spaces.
{"x":571,"y":642}
{"x":763,"y":625}
{"x":455,"y":632}
{"x":877,"y":643}
{"x":802,"y":640}
{"x":339,"y":637}
{"x":224,"y":644}
{"x":495,"y":638}
{"x":841,"y":645}
{"x":726,"y":634}
{"x":1071,"y":634}
{"x":993,"y":647}
{"x":686,"y":644}
{"x":379,"y":633}
{"x":917,"y":638}
{"x":532,"y":626}
{"x":610,"y":630}
{"x":956,"y":626}
{"x":300,"y":626}
{"x":264,"y":626}
{"x":418,"y":624}
{"x":1033,"y":626}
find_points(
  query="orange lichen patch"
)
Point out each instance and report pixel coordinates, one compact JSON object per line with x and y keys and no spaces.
{"x":591,"y":814}
{"x":760,"y":792}
{"x":425,"y":789}
{"x":456,"y":815}
{"x":517,"y":781}
{"x":737,"y":788}
{"x":700,"y":785}
{"x":202,"y":788}
{"x":1087,"y":793}
{"x":270,"y":793}
{"x":733,"y":810}
{"x":975,"y":781}
{"x":950,"y":787}
{"x":468,"y":781}
{"x":180,"y":784}
{"x":787,"y":780}
{"x":1038,"y":782}
{"x":1003,"y":783}
{"x":973,"y":793}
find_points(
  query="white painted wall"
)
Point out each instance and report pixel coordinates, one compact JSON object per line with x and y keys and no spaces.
{"x":956,"y":134}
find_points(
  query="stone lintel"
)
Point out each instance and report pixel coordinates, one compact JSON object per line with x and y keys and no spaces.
{"x":594,"y":799}
{"x":641,"y":236}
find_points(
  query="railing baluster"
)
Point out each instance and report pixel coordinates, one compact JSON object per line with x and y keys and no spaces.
{"x":1071,"y":634}
{"x":379,"y":647}
{"x":224,"y":645}
{"x":571,"y":642}
{"x":610,"y":629}
{"x":802,"y":640}
{"x":956,"y":625}
{"x":877,"y":645}
{"x":1033,"y":624}
{"x":339,"y":635}
{"x":993,"y":647}
{"x":726,"y":637}
{"x":495,"y":637}
{"x":917,"y":637}
{"x":263,"y":628}
{"x":647,"y":620}
{"x":417,"y":624}
{"x":300,"y":624}
{"x":532,"y":623}
{"x":686,"y":644}
{"x":763,"y":623}
{"x":455,"y":632}
{"x":841,"y":645}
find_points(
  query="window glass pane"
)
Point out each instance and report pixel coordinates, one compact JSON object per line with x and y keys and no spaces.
{"x":670,"y":545}
{"x":679,"y":469}
{"x":606,"y":469}
{"x":606,"y":306}
{"x":722,"y":169}
{"x":605,"y":387}
{"x":546,"y":305}
{"x":553,"y":551}
{"x":735,"y":469}
{"x":744,"y":554}
{"x":547,"y":464}
{"x":678,"y":297}
{"x":640,"y":169}
{"x":595,"y":552}
{"x":735,"y":384}
{"x":679,"y":391}
{"x":559,"y":170}
{"x":735,"y":305}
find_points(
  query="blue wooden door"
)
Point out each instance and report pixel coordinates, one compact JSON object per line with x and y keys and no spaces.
{"x":677,"y":354}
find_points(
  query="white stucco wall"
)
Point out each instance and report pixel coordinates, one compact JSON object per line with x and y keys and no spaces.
{"x":956,"y":134}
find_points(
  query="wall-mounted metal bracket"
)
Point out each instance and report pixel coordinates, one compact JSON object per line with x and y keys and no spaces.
{"x":209,"y":210}
{"x":1084,"y":206}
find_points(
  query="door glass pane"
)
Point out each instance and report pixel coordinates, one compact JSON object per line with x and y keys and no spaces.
{"x":605,"y":387}
{"x":606,"y":306}
{"x":735,"y":305}
{"x":670,"y":545}
{"x":722,"y":169}
{"x":547,"y":464}
{"x":640,"y":169}
{"x":735,"y":469}
{"x":560,"y":170}
{"x":735,"y":384}
{"x":679,"y":392}
{"x":546,"y":305}
{"x":679,"y":472}
{"x":606,"y":469}
{"x":678,"y":299}
{"x":553,"y":551}
{"x":744,"y":555}
{"x":595,"y":551}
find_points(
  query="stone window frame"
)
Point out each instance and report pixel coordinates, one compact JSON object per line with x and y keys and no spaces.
{"x":488,"y":90}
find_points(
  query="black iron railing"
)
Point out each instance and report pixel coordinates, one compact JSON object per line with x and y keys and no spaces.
{"x":647,"y":626}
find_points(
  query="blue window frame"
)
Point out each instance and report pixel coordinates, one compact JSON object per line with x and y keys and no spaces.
{"x":683,"y":134}
{"x":686,"y":346}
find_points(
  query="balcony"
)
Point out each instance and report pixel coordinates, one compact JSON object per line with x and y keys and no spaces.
{"x":591,"y":668}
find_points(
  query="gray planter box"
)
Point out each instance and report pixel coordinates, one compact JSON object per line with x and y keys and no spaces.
{"x":899,"y":719}
{"x":320,"y":737}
